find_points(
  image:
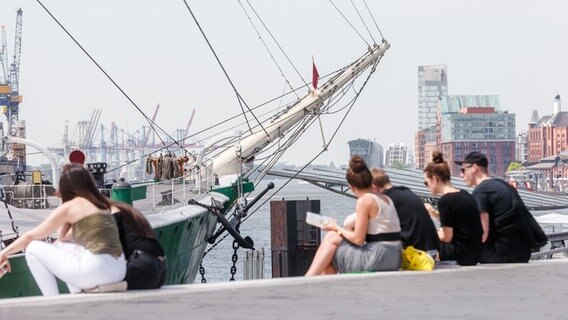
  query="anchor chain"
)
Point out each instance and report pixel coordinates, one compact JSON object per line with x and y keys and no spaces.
{"x":234,"y":258}
{"x":202,"y":270}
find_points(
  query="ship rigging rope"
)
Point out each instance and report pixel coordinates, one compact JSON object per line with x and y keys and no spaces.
{"x":219,"y":124}
{"x":266,"y":46}
{"x":349,"y":23}
{"x":374,"y":21}
{"x":153,"y":125}
{"x":324,"y":149}
{"x":363,"y":21}
{"x":239,"y":97}
{"x":278,"y":44}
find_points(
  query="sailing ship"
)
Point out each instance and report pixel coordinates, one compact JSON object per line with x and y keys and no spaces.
{"x":210,"y":198}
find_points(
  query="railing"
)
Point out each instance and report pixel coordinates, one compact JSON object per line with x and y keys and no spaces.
{"x":557,"y":245}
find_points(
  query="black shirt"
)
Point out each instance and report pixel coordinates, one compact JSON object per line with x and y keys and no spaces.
{"x":506,"y":238}
{"x":417,"y":228}
{"x":459,"y":211}
{"x":131,"y":240}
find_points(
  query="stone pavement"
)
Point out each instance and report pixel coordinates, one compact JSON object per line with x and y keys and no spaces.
{"x":525,"y":291}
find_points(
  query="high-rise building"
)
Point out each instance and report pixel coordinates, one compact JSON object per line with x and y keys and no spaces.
{"x":396,"y":153}
{"x":370,"y":151}
{"x":432,"y":84}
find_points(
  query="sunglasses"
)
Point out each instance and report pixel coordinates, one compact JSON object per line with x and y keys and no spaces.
{"x":464,"y":168}
{"x":426,"y":183}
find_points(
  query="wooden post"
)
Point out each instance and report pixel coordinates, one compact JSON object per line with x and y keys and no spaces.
{"x":293,"y":241}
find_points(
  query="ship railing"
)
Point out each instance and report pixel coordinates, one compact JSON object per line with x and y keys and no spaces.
{"x":169,"y":194}
{"x":557,"y":246}
{"x":30,"y":196}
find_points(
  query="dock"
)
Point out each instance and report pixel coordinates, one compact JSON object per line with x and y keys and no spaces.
{"x":508,"y":291}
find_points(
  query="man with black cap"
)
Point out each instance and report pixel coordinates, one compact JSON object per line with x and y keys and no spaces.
{"x":503,"y":239}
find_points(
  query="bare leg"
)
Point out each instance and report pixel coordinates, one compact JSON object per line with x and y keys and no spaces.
{"x":324,"y":255}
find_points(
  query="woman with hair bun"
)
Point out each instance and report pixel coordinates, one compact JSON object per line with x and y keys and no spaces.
{"x":370,"y":240}
{"x":460,"y":231}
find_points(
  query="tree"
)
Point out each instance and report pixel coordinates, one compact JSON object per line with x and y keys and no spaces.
{"x":514,"y":166}
{"x":397,"y":165}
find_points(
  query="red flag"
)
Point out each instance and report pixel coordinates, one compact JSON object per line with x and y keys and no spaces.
{"x":315,"y":75}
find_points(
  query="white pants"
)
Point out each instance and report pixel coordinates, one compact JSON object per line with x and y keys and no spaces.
{"x":78,"y":267}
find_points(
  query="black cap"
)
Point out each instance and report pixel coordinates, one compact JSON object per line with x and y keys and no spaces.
{"x":474,"y":157}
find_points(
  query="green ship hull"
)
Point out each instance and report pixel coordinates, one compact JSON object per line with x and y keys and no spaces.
{"x":184,"y":242}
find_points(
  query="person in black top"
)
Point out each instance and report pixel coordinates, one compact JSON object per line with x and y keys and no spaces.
{"x":417,"y":228}
{"x":461,"y":230}
{"x":146,"y":264}
{"x":503,"y":238}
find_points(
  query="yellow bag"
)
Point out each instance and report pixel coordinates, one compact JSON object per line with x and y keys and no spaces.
{"x":414,"y":259}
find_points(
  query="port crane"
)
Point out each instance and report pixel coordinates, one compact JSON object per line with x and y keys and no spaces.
{"x":10,"y":97}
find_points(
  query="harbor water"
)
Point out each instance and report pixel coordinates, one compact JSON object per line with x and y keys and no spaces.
{"x":218,"y":261}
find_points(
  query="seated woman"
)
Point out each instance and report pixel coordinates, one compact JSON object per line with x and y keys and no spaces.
{"x":460,"y":231}
{"x":95,"y":258}
{"x":373,"y":244}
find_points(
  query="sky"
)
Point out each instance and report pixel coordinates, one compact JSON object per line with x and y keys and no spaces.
{"x":153,"y":50}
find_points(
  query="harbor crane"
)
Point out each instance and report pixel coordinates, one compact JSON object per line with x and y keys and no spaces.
{"x":10,"y":97}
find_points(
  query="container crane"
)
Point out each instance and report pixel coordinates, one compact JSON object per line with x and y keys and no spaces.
{"x":149,"y":131}
{"x":14,"y":79}
{"x":10,"y":97}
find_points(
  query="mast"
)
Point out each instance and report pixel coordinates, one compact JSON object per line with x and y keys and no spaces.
{"x":229,"y":161}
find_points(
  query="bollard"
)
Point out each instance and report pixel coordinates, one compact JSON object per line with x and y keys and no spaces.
{"x":293,"y":242}
{"x":122,"y":191}
{"x":253,"y":264}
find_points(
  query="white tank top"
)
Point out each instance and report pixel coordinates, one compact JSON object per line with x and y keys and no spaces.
{"x":387,"y":219}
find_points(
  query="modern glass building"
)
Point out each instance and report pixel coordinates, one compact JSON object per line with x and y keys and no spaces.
{"x":432,"y":84}
{"x":477,"y":123}
{"x":370,"y":151}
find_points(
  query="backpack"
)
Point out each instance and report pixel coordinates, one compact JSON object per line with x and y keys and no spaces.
{"x":533,"y":233}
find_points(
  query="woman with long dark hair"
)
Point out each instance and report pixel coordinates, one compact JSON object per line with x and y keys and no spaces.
{"x":370,"y":240}
{"x":460,"y":231}
{"x":95,"y":258}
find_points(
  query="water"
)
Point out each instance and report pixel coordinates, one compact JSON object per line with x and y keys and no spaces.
{"x":218,"y":261}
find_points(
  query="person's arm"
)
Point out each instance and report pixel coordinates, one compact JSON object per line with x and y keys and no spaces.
{"x":485,"y":225}
{"x":349,"y":222}
{"x":446,"y":234}
{"x":363,"y":209}
{"x":43,"y":230}
{"x":432,"y":211}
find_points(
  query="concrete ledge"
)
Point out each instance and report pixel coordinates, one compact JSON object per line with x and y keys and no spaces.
{"x":444,"y":293}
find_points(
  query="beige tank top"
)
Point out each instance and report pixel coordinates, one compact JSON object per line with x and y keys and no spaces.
{"x":98,"y":233}
{"x":385,"y":222}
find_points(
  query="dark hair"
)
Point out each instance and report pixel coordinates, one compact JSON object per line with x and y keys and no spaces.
{"x":438,"y":167}
{"x":358,"y":174}
{"x":76,"y":181}
{"x":134,"y":220}
{"x":380,"y":177}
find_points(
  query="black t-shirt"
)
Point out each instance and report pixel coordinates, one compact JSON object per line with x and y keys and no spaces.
{"x":131,"y":240}
{"x":494,"y":197}
{"x":417,"y":228}
{"x":459,"y":211}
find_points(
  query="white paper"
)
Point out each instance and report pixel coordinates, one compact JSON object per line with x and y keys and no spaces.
{"x":317,"y":219}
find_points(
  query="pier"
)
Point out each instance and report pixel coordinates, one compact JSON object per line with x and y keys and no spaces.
{"x":508,"y":291}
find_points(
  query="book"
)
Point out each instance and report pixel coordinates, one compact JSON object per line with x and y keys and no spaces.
{"x":317,"y":219}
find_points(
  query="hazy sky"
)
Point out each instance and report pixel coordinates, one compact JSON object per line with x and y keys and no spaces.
{"x":515,"y":49}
